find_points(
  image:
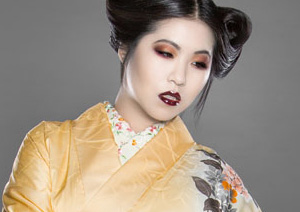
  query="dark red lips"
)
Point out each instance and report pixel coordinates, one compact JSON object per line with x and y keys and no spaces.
{"x":170,"y":98}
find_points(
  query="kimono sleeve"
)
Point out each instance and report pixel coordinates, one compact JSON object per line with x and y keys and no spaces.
{"x":29,"y":185}
{"x":240,"y":198}
{"x":226,"y":189}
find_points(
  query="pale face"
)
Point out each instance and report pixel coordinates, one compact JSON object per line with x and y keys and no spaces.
{"x":167,"y":71}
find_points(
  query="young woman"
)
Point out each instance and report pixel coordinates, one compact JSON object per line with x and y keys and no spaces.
{"x":137,"y":154}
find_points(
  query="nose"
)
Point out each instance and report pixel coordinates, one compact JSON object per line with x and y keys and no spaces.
{"x":178,"y":75}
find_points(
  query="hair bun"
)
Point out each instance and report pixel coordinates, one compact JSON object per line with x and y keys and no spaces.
{"x":235,"y":30}
{"x":237,"y":25}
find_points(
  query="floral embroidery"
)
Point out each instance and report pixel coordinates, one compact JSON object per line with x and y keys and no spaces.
{"x":127,"y":140}
{"x":152,"y":128}
{"x":133,"y":142}
{"x":233,"y":193}
{"x":118,"y":125}
{"x":235,"y":181}
{"x":220,"y":184}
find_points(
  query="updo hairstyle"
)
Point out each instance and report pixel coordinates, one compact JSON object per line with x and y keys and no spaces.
{"x":130,"y":20}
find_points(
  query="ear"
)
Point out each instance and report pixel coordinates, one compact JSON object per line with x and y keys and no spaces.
{"x":122,"y":51}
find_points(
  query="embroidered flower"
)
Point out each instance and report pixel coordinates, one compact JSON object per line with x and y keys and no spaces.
{"x":152,"y":128}
{"x":127,"y":140}
{"x":119,"y":151}
{"x":119,"y":126}
{"x":234,"y":181}
{"x":233,"y":193}
{"x":221,"y":190}
{"x":133,"y":142}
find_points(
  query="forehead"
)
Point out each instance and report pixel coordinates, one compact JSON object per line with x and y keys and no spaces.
{"x":187,"y":33}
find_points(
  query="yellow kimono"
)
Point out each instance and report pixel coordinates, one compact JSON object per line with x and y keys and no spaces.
{"x":74,"y":166}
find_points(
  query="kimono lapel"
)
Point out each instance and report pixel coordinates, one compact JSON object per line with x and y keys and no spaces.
{"x":97,"y":151}
{"x":127,"y":184}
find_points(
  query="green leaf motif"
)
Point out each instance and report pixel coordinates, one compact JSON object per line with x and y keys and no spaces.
{"x":202,"y":186}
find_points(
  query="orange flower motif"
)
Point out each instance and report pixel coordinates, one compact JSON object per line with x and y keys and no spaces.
{"x":120,"y":119}
{"x":235,"y":181}
{"x":226,"y":185}
{"x":233,"y":193}
{"x":133,"y":142}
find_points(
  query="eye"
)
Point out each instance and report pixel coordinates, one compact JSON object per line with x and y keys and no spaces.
{"x":200,"y":65}
{"x":164,"y":54}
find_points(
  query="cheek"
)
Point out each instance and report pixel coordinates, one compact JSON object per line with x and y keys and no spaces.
{"x":138,"y":76}
{"x":196,"y":84}
{"x":146,"y":70}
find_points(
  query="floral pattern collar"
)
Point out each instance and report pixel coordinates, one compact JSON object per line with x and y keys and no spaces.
{"x":127,"y":140}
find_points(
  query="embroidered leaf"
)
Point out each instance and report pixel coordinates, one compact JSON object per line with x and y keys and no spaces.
{"x":212,"y":155}
{"x":213,"y":163}
{"x":202,"y":186}
{"x":212,"y":205}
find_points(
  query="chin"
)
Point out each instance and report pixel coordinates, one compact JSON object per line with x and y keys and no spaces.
{"x":162,"y":116}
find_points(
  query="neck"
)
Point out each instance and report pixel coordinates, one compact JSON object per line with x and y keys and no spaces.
{"x":132,"y":112}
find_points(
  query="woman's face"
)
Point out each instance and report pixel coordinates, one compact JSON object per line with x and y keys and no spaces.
{"x":169,"y":68}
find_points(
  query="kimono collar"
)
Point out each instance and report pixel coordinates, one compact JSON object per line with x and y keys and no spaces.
{"x":128,"y":141}
{"x":148,"y":165}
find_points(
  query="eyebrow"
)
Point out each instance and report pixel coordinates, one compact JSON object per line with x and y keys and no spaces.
{"x":170,"y":42}
{"x":203,"y":52}
{"x":179,"y":48}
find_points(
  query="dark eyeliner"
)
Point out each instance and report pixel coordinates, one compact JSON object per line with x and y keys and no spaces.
{"x":200,"y":65}
{"x":164,"y":54}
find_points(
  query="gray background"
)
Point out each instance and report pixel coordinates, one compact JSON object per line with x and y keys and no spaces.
{"x":55,"y":62}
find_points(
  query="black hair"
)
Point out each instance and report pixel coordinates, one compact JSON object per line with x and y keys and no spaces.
{"x":130,"y":20}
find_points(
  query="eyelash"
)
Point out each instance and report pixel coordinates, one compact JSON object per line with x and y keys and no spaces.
{"x":164,"y":54}
{"x":200,"y":65}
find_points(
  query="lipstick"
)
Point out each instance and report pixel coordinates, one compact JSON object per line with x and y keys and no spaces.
{"x":170,"y":98}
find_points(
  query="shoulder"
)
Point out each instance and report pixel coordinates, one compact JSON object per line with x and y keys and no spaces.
{"x":56,"y":135}
{"x":44,"y":136}
{"x":46,"y":129}
{"x":220,"y":183}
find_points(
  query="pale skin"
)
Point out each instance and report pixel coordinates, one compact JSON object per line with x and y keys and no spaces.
{"x":175,"y":57}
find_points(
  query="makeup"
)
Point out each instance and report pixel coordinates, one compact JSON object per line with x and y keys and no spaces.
{"x":170,"y":98}
{"x":165,"y":51}
{"x":202,"y":61}
{"x":175,"y":57}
